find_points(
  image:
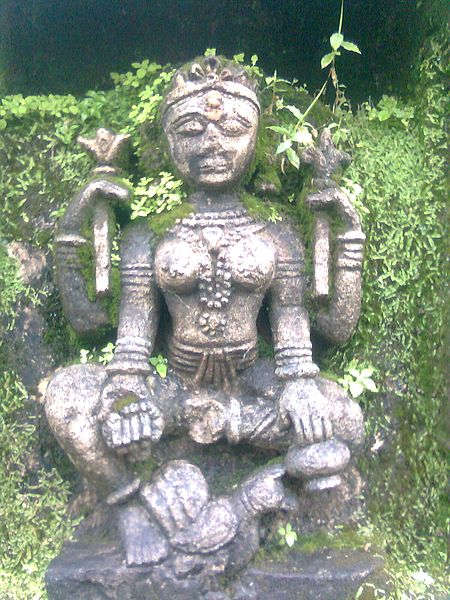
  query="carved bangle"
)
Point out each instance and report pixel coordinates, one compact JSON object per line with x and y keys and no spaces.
{"x":296,"y":370}
{"x":70,"y":240}
{"x":351,"y":251}
{"x":295,"y":361}
{"x":131,"y":356}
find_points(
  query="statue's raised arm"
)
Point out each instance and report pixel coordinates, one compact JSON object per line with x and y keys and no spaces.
{"x":92,"y":210}
{"x":339,"y":307}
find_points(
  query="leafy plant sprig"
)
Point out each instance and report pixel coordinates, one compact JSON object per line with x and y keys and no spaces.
{"x":288,"y":536}
{"x":356,"y":381}
{"x":154,"y":195}
{"x":160,"y":364}
{"x":301,"y":133}
{"x":337,"y":43}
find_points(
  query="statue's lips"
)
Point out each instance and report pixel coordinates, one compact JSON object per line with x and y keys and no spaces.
{"x":214,"y":165}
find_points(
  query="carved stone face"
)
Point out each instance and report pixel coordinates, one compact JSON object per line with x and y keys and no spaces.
{"x":212,"y":136}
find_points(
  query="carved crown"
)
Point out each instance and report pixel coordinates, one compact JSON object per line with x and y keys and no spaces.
{"x":211,"y":73}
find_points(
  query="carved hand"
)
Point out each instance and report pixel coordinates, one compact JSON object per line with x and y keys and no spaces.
{"x":97,"y":190}
{"x":129,"y":414}
{"x":334,"y":197}
{"x":302,"y":404}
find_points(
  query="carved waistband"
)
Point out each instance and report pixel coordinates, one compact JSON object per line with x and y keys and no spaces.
{"x":216,"y":365}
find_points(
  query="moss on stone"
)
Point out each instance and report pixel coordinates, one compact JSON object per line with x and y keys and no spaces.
{"x":124,"y":401}
{"x":161,"y":223}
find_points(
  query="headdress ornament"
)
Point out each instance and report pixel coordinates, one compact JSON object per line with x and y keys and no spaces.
{"x":211,"y":74}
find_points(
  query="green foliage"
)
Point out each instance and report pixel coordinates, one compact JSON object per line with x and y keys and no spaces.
{"x":390,"y":108}
{"x":358,"y":380}
{"x":288,"y":536}
{"x":297,"y":135}
{"x":156,"y":195}
{"x":33,"y":500}
{"x":159,"y":362}
{"x":104,"y":356}
{"x":11,"y":288}
{"x":401,"y":332}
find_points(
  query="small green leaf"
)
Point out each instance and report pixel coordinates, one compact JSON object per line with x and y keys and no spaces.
{"x":291,"y":538}
{"x":384,"y":115}
{"x":336,"y":40}
{"x":370,"y":385}
{"x":2,"y":124}
{"x":327,"y":59}
{"x":279,"y":129}
{"x":355,"y":373}
{"x":356,"y":388}
{"x":140,"y":73}
{"x":254,"y":59}
{"x":161,"y":369}
{"x":295,"y":111}
{"x":351,"y":47}
{"x":293,"y":158}
{"x":239,"y":58}
{"x":303,"y":136}
{"x":284,"y":146}
{"x":210,"y":52}
{"x":367,"y":372}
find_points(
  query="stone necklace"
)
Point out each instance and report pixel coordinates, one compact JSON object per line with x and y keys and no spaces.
{"x":215,"y":232}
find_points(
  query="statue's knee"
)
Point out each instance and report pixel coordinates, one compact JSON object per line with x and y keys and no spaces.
{"x":348,"y":422}
{"x":73,"y":395}
{"x":345,"y":414}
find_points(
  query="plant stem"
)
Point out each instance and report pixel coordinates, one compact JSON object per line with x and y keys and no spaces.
{"x":311,"y":106}
{"x":341,"y":17}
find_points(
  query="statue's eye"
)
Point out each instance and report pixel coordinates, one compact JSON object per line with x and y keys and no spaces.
{"x":189,"y":127}
{"x":234,"y":126}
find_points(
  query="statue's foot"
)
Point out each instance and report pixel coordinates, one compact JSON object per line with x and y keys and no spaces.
{"x":142,"y":540}
{"x":318,"y":465}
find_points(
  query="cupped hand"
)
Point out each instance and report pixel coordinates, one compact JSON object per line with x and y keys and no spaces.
{"x":129,"y":414}
{"x":302,"y":405}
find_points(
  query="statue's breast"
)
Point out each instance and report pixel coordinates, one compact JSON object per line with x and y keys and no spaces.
{"x":251,"y":262}
{"x":177,"y":265}
{"x":212,"y":256}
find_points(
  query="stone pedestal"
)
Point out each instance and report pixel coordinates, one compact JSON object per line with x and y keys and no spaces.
{"x":83,"y":572}
{"x":323,"y":575}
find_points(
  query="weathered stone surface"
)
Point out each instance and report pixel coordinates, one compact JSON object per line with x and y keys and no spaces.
{"x":82,"y":572}
{"x":85,"y":572}
{"x":325,"y":575}
{"x":27,"y":352}
{"x":317,"y":460}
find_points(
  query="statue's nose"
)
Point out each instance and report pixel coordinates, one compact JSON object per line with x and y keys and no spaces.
{"x":212,"y":139}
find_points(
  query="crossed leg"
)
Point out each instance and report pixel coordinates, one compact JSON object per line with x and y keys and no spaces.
{"x":72,"y":405}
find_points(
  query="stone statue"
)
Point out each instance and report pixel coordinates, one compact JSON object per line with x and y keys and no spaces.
{"x":212,"y":271}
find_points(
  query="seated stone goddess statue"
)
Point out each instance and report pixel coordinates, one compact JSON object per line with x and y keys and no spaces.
{"x":213,"y":269}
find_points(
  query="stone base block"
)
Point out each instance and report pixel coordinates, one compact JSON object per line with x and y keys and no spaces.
{"x":82,"y":572}
{"x":323,"y":575}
